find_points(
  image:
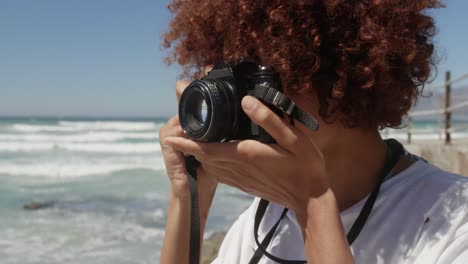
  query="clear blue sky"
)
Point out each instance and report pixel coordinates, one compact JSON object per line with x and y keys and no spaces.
{"x":103,"y":57}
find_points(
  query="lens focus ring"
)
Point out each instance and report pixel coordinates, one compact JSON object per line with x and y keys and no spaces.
{"x":214,"y":126}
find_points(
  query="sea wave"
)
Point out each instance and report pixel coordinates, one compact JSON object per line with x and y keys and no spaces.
{"x":78,"y":238}
{"x":40,"y":128}
{"x":56,"y":169}
{"x":69,"y":126}
{"x":111,"y":125}
{"x":82,"y":137}
{"x":122,"y":148}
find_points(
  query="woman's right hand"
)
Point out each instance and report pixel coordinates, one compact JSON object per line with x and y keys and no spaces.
{"x":177,"y":235}
{"x":175,"y":164}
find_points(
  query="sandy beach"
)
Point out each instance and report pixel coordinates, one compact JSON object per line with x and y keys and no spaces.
{"x":452,"y":157}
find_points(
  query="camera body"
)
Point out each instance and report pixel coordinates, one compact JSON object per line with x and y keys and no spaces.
{"x":210,"y":108}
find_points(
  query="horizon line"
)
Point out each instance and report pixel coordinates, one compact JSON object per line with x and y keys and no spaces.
{"x":81,"y":117}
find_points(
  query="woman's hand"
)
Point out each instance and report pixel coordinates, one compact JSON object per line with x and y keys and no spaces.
{"x":175,"y":247}
{"x":291,"y":173}
{"x":175,"y":162}
{"x":287,"y":173}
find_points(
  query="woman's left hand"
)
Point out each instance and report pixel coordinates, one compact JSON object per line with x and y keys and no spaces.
{"x":287,"y":173}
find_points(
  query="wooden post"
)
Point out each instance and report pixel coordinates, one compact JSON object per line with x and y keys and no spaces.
{"x":448,"y":112}
{"x":410,"y":126}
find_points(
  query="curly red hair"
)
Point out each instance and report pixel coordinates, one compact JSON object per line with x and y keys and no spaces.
{"x":366,"y":60}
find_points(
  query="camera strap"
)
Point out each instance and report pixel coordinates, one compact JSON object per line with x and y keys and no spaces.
{"x":191,"y":165}
{"x":272,"y":96}
{"x":269,"y":96}
{"x":394,"y":152}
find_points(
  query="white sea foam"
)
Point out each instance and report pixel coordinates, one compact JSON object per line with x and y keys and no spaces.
{"x":93,"y":136}
{"x":111,"y":125}
{"x":63,"y":169}
{"x":41,"y":128}
{"x":69,"y":126}
{"x":81,"y":238}
{"x":134,"y":148}
{"x":25,"y":147}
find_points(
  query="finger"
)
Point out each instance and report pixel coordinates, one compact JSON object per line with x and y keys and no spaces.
{"x":247,"y":187}
{"x":207,"y":69}
{"x":173,"y":132}
{"x":174,"y":121}
{"x":223,"y":175}
{"x":171,"y":129}
{"x":234,"y":184}
{"x":176,"y":131}
{"x":285,"y":135}
{"x":231,"y":153}
{"x":213,"y":171}
{"x":208,"y":152}
{"x":173,"y":160}
{"x":225,"y":165}
{"x":180,"y":87}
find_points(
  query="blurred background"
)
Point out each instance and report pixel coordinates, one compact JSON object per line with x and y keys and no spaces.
{"x":83,"y":92}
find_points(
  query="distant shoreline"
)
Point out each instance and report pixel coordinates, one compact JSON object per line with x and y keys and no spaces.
{"x":457,"y":119}
{"x":84,"y":118}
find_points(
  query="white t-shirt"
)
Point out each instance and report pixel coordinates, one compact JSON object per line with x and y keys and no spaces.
{"x":420,"y":217}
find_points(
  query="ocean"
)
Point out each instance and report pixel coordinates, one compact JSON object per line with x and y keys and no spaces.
{"x":104,"y":185}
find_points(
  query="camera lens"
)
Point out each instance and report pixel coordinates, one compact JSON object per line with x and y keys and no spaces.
{"x":200,"y":112}
{"x":197,"y":109}
{"x":207,"y":110}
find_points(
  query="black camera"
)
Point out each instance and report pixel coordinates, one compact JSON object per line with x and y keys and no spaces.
{"x":210,"y":108}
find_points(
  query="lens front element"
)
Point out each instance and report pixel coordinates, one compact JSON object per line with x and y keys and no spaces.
{"x":201,"y":112}
{"x":206,"y":110}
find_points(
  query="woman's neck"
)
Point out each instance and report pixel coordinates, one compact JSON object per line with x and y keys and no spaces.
{"x":355,"y":159}
{"x":354,"y":156}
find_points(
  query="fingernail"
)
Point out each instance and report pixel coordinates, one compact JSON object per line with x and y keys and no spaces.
{"x":249,"y":103}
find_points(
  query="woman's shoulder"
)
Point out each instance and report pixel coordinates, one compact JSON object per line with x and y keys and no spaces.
{"x":424,"y":178}
{"x":428,"y":190}
{"x":441,"y":197}
{"x":419,"y":214}
{"x":448,"y":190}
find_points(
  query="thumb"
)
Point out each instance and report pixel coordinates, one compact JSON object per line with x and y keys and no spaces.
{"x":278,"y":128}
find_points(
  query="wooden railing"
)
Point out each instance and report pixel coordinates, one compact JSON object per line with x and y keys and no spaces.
{"x":446,"y":111}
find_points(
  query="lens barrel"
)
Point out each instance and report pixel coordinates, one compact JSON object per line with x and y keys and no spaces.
{"x":207,"y":110}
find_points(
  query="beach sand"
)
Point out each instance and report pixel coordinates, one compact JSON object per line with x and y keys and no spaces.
{"x":452,"y":157}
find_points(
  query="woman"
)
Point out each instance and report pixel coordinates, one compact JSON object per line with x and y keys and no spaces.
{"x":356,"y":66}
